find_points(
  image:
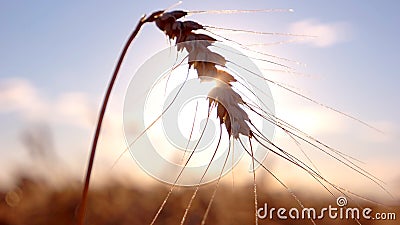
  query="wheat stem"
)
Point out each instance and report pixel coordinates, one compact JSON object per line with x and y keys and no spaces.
{"x":83,"y":204}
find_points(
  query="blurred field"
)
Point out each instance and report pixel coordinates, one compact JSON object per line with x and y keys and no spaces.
{"x":36,"y":203}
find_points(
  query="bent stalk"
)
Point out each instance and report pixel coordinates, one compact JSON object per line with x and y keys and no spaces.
{"x":83,"y":204}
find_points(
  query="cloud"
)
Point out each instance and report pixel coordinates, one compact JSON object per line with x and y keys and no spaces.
{"x":72,"y":117}
{"x":326,"y":34}
{"x":19,"y":96}
{"x":76,"y":108}
{"x":22,"y":98}
{"x":70,"y":114}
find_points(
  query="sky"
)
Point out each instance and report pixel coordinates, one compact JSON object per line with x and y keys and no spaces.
{"x":57,"y":57}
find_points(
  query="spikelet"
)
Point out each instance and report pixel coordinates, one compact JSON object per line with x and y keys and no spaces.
{"x":229,"y":111}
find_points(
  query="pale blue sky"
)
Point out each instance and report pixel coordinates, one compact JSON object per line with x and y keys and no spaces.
{"x":59,"y":48}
